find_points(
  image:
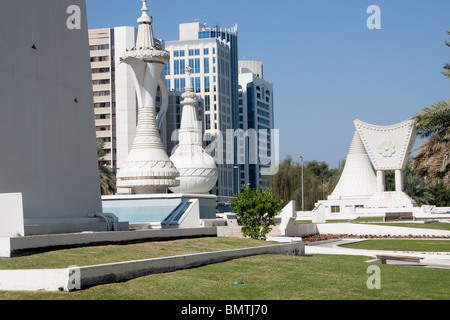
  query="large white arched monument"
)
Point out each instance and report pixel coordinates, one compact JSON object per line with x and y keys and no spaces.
{"x":388,"y":148}
{"x":360,"y":190}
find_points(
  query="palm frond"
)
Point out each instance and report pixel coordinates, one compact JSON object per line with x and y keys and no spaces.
{"x":434,"y":119}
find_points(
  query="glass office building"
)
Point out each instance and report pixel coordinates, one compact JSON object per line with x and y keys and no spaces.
{"x":212,"y":53}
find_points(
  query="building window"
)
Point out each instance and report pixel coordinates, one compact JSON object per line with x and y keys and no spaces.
{"x":335,"y":209}
{"x":206,"y":84}
{"x":177,"y":84}
{"x":99,"y":47}
{"x":206,"y":65}
{"x":98,"y":59}
{"x":197,"y":85}
{"x":182,"y":84}
{"x":103,"y":81}
{"x":206,"y":51}
{"x":176,"y":66}
{"x":207,"y":103}
{"x":102,"y":105}
{"x":191,"y":52}
{"x":181,"y":53}
{"x":176,"y":53}
{"x":100,"y":70}
{"x":197,"y":66}
{"x":168,"y":69}
{"x":101,"y":93}
{"x":182,"y":67}
{"x":207,"y":121}
{"x":103,"y":128}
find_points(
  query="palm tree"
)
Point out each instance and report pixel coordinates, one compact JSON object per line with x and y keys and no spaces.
{"x":418,"y":189}
{"x":446,"y":67}
{"x":107,"y":176}
{"x":433,"y":159}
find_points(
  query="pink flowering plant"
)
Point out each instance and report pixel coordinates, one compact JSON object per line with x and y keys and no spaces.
{"x":322,"y":237}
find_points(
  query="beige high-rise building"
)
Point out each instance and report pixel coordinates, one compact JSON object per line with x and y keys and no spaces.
{"x":101,"y":42}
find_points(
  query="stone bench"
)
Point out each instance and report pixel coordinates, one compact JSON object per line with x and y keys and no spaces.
{"x":398,"y":215}
{"x":384,"y":258}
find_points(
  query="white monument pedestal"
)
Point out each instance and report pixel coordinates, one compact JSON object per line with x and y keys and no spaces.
{"x":390,"y":199}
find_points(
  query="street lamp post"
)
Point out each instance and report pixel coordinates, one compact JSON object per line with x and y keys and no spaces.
{"x":303,"y":206}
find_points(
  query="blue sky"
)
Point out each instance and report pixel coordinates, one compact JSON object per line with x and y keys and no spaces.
{"x":327,"y":67}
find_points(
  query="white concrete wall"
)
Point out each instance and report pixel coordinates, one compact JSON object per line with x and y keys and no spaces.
{"x":11,"y":215}
{"x":34,"y":280}
{"x":126,"y":107}
{"x":47,"y":139}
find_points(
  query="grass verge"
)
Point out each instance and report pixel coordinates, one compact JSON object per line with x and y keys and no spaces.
{"x":91,"y":255}
{"x":433,"y":225}
{"x":271,"y":277}
{"x":402,"y":245}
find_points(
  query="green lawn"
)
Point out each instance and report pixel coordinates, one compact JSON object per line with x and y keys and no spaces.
{"x":115,"y":253}
{"x":271,"y":277}
{"x":433,"y":225}
{"x":402,"y":245}
{"x":265,"y":277}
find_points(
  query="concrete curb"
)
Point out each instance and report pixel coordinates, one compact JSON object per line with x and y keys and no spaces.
{"x":10,"y":247}
{"x":77,"y":278}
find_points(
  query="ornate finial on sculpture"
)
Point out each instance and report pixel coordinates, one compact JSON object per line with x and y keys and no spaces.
{"x":189,"y":87}
{"x":145,"y":17}
{"x":189,"y":71}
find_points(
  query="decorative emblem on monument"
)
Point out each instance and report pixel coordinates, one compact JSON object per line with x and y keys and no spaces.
{"x":386,"y":149}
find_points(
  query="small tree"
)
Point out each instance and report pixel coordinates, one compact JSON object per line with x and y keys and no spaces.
{"x":107,"y":176}
{"x":255,"y":210}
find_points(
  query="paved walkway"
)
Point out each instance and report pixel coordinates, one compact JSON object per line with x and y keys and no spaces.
{"x":430,"y":259}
